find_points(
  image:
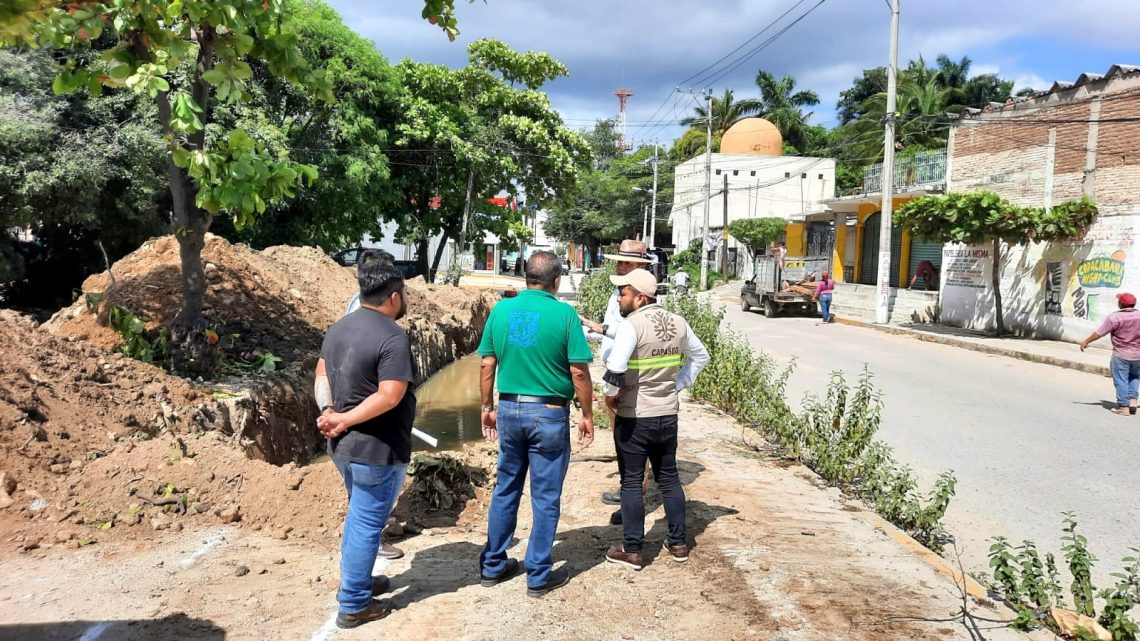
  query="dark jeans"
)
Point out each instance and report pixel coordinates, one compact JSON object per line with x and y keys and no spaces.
{"x":653,"y":440}
{"x":533,"y":437}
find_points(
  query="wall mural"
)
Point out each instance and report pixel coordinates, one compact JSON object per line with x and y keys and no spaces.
{"x":1101,"y":272}
{"x":1054,"y":288}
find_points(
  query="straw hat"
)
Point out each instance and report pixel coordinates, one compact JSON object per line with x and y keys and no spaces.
{"x":630,"y":251}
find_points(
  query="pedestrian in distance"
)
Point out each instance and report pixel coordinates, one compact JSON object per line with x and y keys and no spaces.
{"x":681,"y":282}
{"x":823,"y":293}
{"x":534,"y":349}
{"x":655,"y":356}
{"x":1124,"y":327}
{"x":365,"y":388}
{"x":366,"y":260}
{"x":631,"y":255}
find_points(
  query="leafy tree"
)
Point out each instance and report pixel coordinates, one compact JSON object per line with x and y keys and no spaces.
{"x":757,"y":233}
{"x":345,"y":140}
{"x":465,"y":135}
{"x":782,"y":105}
{"x":982,"y":217}
{"x":85,"y":176}
{"x":850,"y":104}
{"x":725,"y":113}
{"x":188,"y":57}
{"x":986,"y":88}
{"x":692,"y":143}
{"x":605,"y":141}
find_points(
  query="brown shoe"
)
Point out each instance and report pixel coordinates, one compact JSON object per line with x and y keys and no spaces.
{"x":628,"y":559}
{"x":680,"y":553}
{"x":1123,"y":411}
{"x":374,"y":612}
{"x":389,"y":552}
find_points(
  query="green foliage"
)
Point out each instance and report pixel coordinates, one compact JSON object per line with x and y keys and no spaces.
{"x":133,"y":330}
{"x":1075,"y":547}
{"x":594,"y":292}
{"x":443,"y":481}
{"x":725,"y":112}
{"x":980,"y":216}
{"x":757,"y":233}
{"x":1032,"y":589}
{"x":833,"y":436}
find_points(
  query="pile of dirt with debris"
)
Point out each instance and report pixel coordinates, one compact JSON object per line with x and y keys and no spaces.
{"x":88,"y":435}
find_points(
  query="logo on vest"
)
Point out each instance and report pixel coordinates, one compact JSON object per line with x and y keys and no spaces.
{"x":664,"y":326}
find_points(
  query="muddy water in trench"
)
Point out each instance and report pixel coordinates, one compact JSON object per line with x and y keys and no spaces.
{"x":448,"y":405}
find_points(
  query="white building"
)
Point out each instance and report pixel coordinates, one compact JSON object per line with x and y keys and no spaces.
{"x":761,"y":184}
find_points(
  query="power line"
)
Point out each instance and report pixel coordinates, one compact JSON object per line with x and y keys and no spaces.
{"x":742,"y":45}
{"x":748,"y":55}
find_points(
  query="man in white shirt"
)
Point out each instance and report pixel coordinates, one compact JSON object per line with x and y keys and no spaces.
{"x":631,"y":255}
{"x":655,"y":355}
{"x":681,"y":279}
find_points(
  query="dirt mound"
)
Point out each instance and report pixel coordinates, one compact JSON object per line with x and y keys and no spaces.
{"x":92,"y":438}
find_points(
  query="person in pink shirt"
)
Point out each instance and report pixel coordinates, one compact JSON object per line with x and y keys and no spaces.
{"x":822,"y":294}
{"x":1124,"y":327}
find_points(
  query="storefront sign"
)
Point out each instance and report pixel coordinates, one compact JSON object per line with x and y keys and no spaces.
{"x":1101,"y":272}
{"x":965,"y":267}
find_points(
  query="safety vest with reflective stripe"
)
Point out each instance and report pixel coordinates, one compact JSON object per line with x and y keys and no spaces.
{"x":651,"y":379}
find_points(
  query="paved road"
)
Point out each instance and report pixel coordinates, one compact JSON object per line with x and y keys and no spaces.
{"x":1026,"y":441}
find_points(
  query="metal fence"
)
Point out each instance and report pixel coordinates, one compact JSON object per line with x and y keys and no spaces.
{"x":924,"y":169}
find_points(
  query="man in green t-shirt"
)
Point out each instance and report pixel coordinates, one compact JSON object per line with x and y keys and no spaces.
{"x":536,"y":346}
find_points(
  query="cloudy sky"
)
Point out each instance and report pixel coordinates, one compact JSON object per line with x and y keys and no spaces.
{"x":652,"y":46}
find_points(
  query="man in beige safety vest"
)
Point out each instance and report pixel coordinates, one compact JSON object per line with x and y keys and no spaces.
{"x":655,"y":355}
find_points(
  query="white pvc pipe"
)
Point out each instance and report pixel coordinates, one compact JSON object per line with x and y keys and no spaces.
{"x":425,"y":437}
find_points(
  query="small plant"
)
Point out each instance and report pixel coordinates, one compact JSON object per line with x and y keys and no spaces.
{"x":1075,"y":547}
{"x":1119,"y":599}
{"x":133,"y":330}
{"x":1034,"y":585}
{"x":1004,"y":565}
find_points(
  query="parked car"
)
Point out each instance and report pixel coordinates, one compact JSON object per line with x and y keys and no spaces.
{"x":349,"y":257}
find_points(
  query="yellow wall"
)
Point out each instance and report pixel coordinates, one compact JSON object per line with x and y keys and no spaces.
{"x":795,"y":239}
{"x":839,"y":253}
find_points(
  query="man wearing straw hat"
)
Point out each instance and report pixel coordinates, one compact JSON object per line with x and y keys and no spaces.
{"x":631,"y":255}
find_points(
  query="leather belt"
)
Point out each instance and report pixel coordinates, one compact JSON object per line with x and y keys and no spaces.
{"x":545,"y":400}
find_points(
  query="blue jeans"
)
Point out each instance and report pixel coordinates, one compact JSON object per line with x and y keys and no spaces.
{"x":825,"y":307}
{"x":1126,"y":378}
{"x":372,"y":492}
{"x":536,"y":437}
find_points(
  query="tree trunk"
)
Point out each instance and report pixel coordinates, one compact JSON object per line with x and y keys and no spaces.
{"x":995,"y":279}
{"x":438,"y":255}
{"x":423,"y":247}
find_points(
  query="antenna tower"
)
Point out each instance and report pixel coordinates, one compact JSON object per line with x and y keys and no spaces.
{"x":623,"y":95}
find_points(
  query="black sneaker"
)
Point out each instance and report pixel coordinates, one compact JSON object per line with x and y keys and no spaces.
{"x":612,"y":498}
{"x":509,"y":573}
{"x":374,"y":612}
{"x":615,"y":518}
{"x":558,"y":578}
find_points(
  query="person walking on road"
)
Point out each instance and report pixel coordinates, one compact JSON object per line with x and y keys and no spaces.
{"x":1124,"y":327}
{"x":534,"y":345}
{"x":681,"y":282}
{"x":655,"y":356}
{"x":364,"y":386}
{"x":823,"y":293}
{"x":631,"y":255}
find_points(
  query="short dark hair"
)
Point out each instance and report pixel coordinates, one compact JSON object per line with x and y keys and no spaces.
{"x":543,"y":268}
{"x":371,"y":255}
{"x":378,"y":277}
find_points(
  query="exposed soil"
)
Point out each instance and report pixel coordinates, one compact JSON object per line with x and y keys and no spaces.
{"x":776,"y":557}
{"x":95,"y":446}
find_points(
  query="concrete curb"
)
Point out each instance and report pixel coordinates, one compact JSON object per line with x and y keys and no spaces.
{"x":1101,"y":370}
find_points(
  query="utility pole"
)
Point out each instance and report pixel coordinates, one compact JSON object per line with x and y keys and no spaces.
{"x":724,"y":231}
{"x":883,"y":284}
{"x":644,"y":222}
{"x":708,"y":189}
{"x":653,"y":213}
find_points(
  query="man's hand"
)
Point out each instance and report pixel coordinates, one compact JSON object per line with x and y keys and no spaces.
{"x":585,"y":432}
{"x":490,"y":426}
{"x":591,"y":325}
{"x":1084,"y":346}
{"x":612,"y":402}
{"x":332,"y":424}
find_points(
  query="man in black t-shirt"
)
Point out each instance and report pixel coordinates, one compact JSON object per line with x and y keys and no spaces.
{"x":365,"y":387}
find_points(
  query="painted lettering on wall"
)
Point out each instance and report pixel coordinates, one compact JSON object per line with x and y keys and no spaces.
{"x":1080,"y":308}
{"x":1104,"y":271}
{"x":965,"y":267}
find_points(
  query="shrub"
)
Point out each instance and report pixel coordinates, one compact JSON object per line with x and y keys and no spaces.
{"x":594,"y":291}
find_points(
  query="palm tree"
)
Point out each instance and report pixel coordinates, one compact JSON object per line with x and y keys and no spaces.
{"x":920,"y":121}
{"x":725,"y":113}
{"x":782,"y":105}
{"x":951,"y":74}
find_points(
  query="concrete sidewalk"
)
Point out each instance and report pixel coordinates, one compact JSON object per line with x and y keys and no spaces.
{"x":1060,"y":354}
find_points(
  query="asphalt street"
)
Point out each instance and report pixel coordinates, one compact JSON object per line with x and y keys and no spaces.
{"x":1026,"y":441}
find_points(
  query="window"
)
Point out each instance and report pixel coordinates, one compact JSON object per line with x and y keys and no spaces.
{"x":803,"y":175}
{"x":753,"y":172}
{"x":821,"y":176}
{"x":718,"y":172}
{"x":787,"y":174}
{"x":735,"y":172}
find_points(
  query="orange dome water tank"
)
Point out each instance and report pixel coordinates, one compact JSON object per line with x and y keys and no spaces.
{"x":754,"y":136}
